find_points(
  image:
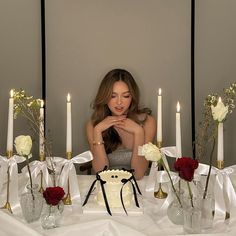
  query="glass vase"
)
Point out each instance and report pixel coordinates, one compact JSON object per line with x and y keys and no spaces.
{"x":208,"y":211}
{"x":192,"y":216}
{"x":175,"y":210}
{"x":31,"y":203}
{"x":51,"y":216}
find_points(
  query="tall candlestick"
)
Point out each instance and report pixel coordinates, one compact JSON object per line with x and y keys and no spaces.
{"x":10,"y":124}
{"x":159,"y":117}
{"x":220,"y":146}
{"x":69,"y":126}
{"x":41,"y":131}
{"x":178,"y":133}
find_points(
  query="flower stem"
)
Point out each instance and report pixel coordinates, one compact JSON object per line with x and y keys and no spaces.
{"x":31,"y":182}
{"x":209,"y":171}
{"x":172,"y":184}
{"x":190,"y":193}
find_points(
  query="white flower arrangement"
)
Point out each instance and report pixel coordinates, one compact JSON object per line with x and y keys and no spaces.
{"x":219,"y":111}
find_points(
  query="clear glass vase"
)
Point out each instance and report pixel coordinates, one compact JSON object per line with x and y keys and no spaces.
{"x":31,"y":203}
{"x":175,"y":210}
{"x":192,"y":215}
{"x":51,"y":216}
{"x":208,"y":211}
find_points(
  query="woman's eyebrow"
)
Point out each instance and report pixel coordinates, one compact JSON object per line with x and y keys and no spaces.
{"x":121,"y":93}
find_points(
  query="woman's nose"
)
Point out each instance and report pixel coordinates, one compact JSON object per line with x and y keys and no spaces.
{"x":119,"y":100}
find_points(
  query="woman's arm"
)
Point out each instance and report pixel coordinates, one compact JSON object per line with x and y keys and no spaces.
{"x":95,"y":140}
{"x":141,"y":135}
{"x":97,"y":147}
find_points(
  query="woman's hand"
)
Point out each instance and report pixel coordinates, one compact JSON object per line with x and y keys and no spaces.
{"x":108,"y":122}
{"x":129,"y":126}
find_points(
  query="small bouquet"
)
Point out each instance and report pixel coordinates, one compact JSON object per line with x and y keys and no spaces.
{"x":186,"y":166}
{"x":53,"y":195}
{"x":152,"y":153}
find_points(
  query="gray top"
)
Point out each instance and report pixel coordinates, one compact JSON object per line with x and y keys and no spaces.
{"x":120,"y":158}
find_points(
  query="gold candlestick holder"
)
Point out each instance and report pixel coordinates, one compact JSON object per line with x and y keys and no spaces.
{"x":41,"y":189}
{"x":220,"y":165}
{"x":160,"y":193}
{"x":7,"y":205}
{"x":67,"y":199}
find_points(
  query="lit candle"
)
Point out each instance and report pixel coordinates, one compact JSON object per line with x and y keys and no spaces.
{"x":178,"y":133}
{"x":220,"y":143}
{"x":10,"y":123}
{"x":159,"y":117}
{"x":41,"y":130}
{"x":69,"y":128}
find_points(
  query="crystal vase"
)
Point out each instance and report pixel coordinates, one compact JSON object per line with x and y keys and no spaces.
{"x":51,"y":216}
{"x":175,"y":210}
{"x":208,"y":211}
{"x":31,"y":203}
{"x":192,"y":216}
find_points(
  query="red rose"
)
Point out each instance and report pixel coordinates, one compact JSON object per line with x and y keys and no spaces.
{"x":186,"y":166}
{"x":53,"y":195}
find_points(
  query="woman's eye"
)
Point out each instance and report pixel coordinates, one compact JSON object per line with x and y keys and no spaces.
{"x":127,"y":96}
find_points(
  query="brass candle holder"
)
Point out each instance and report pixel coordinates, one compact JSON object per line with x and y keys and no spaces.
{"x":67,"y":199}
{"x":41,"y":158}
{"x":220,"y":165}
{"x":7,"y":205}
{"x":160,"y":193}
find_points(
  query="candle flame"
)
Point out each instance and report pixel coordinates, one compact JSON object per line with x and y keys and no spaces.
{"x":159,"y":91}
{"x":11,"y":93}
{"x":178,"y":107}
{"x":220,"y":99}
{"x":68,"y":97}
{"x":42,"y":103}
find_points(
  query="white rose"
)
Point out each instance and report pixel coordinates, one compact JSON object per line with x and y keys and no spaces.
{"x":219,"y":112}
{"x":150,"y":151}
{"x":23,"y":145}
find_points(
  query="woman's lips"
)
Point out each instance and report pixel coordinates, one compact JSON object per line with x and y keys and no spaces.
{"x":119,"y":109}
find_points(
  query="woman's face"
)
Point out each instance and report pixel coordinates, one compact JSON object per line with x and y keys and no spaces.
{"x":120,"y":99}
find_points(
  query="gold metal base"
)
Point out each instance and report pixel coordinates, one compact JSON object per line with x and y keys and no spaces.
{"x":160,"y":193}
{"x":69,"y":155}
{"x":159,"y":144}
{"x":220,"y":165}
{"x":67,"y":200}
{"x":42,"y":157}
{"x":41,"y":190}
{"x":9,"y":153}
{"x":7,"y":206}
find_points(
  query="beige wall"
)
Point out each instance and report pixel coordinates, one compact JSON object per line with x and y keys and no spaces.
{"x":86,"y":38}
{"x":20,"y":57}
{"x":216,"y":60}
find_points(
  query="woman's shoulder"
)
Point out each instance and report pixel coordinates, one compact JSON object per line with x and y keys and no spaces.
{"x":145,"y":118}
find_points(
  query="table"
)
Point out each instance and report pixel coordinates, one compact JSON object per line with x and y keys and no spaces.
{"x":74,"y":222}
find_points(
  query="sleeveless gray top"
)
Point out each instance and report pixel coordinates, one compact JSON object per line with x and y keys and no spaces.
{"x":120,"y":158}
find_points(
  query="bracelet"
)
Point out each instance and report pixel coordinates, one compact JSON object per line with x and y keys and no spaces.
{"x":98,"y":143}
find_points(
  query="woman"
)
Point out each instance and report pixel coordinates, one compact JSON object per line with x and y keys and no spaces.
{"x":118,"y":126}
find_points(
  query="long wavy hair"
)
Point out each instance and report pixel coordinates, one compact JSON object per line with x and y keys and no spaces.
{"x":101,"y":111}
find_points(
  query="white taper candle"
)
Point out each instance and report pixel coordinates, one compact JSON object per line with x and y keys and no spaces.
{"x":41,"y":130}
{"x":10,"y":123}
{"x":178,"y":133}
{"x":159,"y":116}
{"x":69,"y":126}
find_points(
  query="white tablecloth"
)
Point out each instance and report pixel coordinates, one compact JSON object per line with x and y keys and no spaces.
{"x":74,"y":222}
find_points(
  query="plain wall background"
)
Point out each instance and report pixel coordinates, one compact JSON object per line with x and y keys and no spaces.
{"x":87,"y":38}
